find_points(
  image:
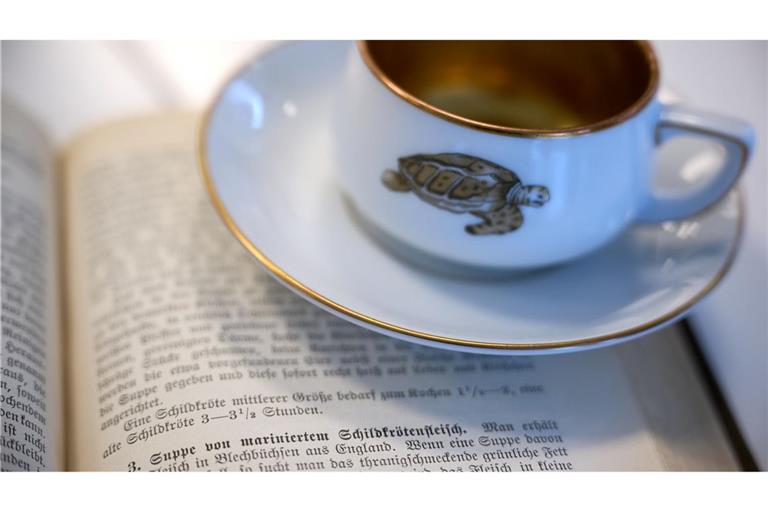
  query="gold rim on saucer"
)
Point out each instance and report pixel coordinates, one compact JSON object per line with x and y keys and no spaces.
{"x":393,"y":328}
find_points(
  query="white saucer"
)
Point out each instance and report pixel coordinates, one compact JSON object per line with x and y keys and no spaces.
{"x":266,"y":160}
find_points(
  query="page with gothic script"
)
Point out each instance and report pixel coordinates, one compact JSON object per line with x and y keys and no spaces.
{"x":31,"y":381}
{"x":186,"y":355}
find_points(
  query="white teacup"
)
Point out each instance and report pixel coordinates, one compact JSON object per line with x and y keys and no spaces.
{"x":513,"y":154}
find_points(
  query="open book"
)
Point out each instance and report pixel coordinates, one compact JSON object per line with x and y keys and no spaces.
{"x":137,"y":335}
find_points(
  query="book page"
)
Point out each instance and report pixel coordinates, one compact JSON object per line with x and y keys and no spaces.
{"x":187,"y":356}
{"x":30,"y":383}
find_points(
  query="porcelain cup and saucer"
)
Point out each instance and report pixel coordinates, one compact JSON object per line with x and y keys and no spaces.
{"x":486,"y":196}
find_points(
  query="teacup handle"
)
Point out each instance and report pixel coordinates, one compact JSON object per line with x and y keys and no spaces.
{"x":736,"y":137}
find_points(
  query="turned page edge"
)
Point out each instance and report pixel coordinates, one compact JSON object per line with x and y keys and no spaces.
{"x":681,"y":416}
{"x":105,"y":138}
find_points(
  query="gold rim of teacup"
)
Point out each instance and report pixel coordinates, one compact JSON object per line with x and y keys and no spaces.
{"x":646,"y":50}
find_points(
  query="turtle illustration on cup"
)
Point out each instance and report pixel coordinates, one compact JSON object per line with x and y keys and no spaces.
{"x":461,"y":183}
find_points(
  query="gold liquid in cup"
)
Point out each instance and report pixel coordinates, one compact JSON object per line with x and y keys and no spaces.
{"x":544,"y":87}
